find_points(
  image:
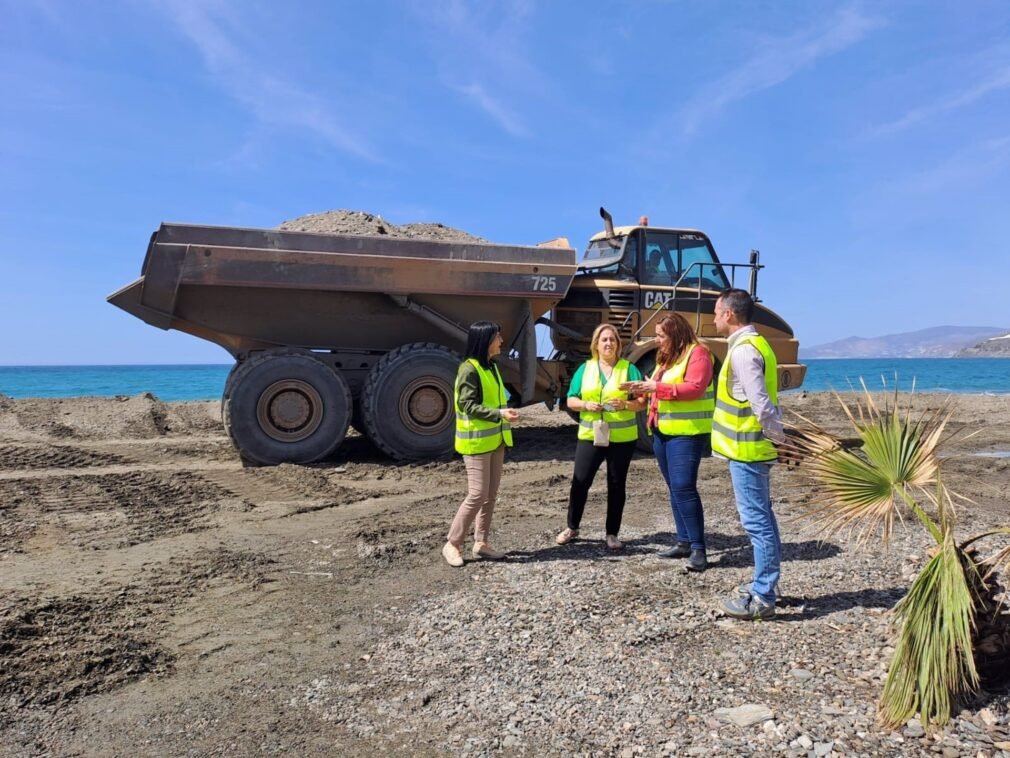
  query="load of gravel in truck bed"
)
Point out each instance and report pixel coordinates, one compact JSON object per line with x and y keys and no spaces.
{"x":360,"y":222}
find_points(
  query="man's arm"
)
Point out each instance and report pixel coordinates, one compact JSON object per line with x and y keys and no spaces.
{"x":748,"y":367}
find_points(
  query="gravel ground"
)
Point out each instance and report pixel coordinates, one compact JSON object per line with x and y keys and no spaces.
{"x":157,"y":598}
{"x":580,"y":652}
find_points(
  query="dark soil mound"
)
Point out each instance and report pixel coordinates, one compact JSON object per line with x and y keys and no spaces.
{"x":359,"y":222}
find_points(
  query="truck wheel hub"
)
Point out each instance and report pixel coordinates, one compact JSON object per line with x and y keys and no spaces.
{"x":289,"y":410}
{"x":425,"y":405}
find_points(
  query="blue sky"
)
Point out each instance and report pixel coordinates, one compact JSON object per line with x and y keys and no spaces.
{"x":864,"y":148}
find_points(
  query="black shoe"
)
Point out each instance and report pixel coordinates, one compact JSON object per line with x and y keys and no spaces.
{"x":680,"y":550}
{"x":697,"y":562}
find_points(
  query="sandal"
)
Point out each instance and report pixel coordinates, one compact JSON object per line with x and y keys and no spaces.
{"x":613,"y":543}
{"x":566,"y":535}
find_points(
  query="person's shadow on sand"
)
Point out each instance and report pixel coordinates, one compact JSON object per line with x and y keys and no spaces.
{"x":724,"y":550}
{"x":835,"y":602}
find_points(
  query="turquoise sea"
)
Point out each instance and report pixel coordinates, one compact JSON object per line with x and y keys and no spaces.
{"x":971,"y":375}
{"x":961,"y":375}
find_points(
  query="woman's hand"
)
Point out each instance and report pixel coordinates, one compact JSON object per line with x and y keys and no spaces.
{"x":589,"y":405}
{"x":644,"y":387}
{"x":510,"y":414}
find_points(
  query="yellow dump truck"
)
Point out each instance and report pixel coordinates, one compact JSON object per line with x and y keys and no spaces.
{"x":330,"y":331}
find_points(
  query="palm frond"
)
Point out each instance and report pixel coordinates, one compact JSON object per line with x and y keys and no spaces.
{"x":865,"y":489}
{"x":933,"y":660}
{"x":998,"y":562}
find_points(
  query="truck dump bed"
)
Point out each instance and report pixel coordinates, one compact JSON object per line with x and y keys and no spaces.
{"x":249,"y":289}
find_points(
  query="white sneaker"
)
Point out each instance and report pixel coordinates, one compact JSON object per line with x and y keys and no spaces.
{"x":451,"y":554}
{"x":566,"y":535}
{"x":484,"y":551}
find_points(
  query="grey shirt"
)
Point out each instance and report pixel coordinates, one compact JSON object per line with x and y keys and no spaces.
{"x":747,"y":381}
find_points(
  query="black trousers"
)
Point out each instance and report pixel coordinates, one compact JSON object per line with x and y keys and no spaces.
{"x":588,"y":459}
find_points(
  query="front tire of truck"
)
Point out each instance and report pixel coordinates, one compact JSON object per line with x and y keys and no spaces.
{"x":286,"y":407}
{"x":407,"y":402}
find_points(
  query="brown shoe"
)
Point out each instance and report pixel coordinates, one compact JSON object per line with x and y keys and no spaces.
{"x":566,"y":535}
{"x":482,"y":550}
{"x":613,"y":543}
{"x":451,"y":554}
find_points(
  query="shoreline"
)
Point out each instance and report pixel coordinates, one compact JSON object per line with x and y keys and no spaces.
{"x":792,"y":393}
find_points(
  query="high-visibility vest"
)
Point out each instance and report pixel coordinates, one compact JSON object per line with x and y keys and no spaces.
{"x":475,"y":436}
{"x":685,"y":418}
{"x":736,"y":431}
{"x":623,"y":424}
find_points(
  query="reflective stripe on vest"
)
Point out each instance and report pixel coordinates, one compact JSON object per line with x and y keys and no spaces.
{"x":736,"y":431}
{"x":475,"y":436}
{"x":685,"y":418}
{"x":623,"y":424}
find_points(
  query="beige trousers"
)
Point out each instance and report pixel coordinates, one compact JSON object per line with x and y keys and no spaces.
{"x":483,"y":473}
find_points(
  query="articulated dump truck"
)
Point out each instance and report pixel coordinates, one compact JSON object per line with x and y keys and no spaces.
{"x":330,"y":331}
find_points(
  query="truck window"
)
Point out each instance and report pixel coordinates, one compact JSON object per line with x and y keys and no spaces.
{"x":660,"y":260}
{"x":602,"y":259}
{"x":698,"y":264}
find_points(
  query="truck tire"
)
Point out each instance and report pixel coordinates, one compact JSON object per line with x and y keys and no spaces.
{"x":286,"y":406}
{"x":407,"y":402}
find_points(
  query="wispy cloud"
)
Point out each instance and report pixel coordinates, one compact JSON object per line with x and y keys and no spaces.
{"x":777,"y":60}
{"x":997,"y":80}
{"x":492,"y":107}
{"x":968,"y":167}
{"x":914,"y":199}
{"x":481,"y":56}
{"x":272,"y":100}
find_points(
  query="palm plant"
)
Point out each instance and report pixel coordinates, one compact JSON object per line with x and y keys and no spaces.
{"x":951,"y":612}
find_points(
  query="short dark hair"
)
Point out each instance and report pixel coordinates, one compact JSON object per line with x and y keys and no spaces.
{"x":739,"y":302}
{"x":478,"y":341}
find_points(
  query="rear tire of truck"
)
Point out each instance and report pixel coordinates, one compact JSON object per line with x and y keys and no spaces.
{"x":286,"y":406}
{"x":407,"y":402}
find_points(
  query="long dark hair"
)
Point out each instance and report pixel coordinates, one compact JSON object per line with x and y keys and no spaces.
{"x":681,"y":335}
{"x":478,"y":341}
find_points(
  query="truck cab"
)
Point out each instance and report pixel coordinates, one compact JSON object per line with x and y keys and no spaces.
{"x":630,"y":275}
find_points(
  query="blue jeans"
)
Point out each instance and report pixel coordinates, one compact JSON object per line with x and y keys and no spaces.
{"x":678,"y":458}
{"x":753,"y":502}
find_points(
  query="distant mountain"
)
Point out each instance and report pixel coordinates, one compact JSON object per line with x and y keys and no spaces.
{"x":935,"y":342}
{"x":994,"y":347}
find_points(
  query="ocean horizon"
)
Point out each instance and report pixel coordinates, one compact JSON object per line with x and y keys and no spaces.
{"x":175,"y":382}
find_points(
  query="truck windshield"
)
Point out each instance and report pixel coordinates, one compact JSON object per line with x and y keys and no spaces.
{"x":681,"y":258}
{"x":600,"y":255}
{"x":699,"y":266}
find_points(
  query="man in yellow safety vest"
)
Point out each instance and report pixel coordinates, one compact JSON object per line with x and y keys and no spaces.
{"x":746,"y":426}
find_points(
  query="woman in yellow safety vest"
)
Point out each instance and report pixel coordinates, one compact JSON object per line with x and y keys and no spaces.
{"x":680,"y":420}
{"x":608,"y":431}
{"x":483,"y":432}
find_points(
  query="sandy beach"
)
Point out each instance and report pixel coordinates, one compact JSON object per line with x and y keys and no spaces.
{"x":157,"y":598}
